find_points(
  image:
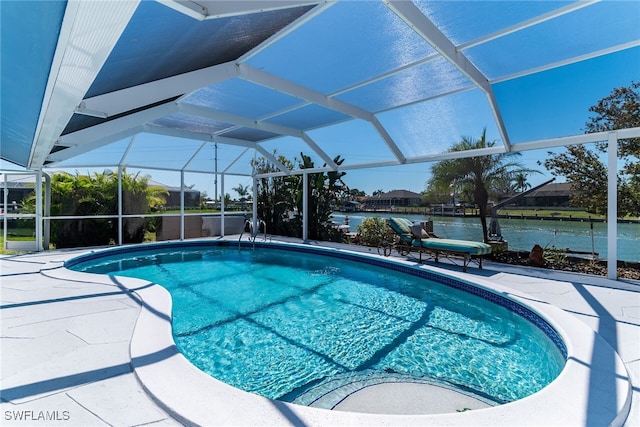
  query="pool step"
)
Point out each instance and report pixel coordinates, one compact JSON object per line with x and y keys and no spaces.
{"x":329,"y":392}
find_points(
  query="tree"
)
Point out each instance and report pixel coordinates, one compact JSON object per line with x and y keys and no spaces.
{"x":325,"y":189}
{"x":355,"y":193}
{"x":280,"y":198}
{"x":276,"y":197}
{"x":520,"y":181}
{"x":587,"y":173}
{"x":243,"y":192}
{"x":96,"y":195}
{"x":479,"y":176}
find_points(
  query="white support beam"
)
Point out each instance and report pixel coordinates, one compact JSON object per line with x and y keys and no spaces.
{"x":255,"y":124}
{"x":193,"y":156}
{"x":572,"y":7}
{"x":321,"y":7}
{"x":85,"y":42}
{"x":409,"y":13}
{"x":91,"y":138}
{"x":83,"y":147}
{"x":222,"y":206}
{"x":233,"y":141}
{"x":388,"y":140}
{"x":255,"y":203}
{"x":117,"y":102}
{"x":457,"y":155}
{"x":273,"y":160}
{"x":319,"y":151}
{"x":39,"y":211}
{"x":386,"y":74}
{"x":612,"y":206}
{"x":120,"y":210}
{"x":586,"y":138}
{"x":181,"y":205}
{"x":127,"y":150}
{"x":215,"y":9}
{"x":568,"y":61}
{"x":225,"y":171}
{"x":47,"y":211}
{"x":277,"y":83}
{"x":235,"y":119}
{"x":178,"y":133}
{"x":305,"y":206}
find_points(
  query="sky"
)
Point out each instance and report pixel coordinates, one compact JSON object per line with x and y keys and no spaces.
{"x":545,"y":105}
{"x":552,"y":104}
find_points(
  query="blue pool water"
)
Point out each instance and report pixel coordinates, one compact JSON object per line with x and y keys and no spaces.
{"x":288,"y":324}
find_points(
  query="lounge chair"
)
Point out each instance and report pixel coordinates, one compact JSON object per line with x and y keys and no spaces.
{"x":415,"y":237}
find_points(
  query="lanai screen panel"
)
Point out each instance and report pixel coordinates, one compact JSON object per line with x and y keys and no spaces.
{"x":160,"y":151}
{"x":229,"y":158}
{"x":346,"y":44}
{"x":465,"y":21}
{"x":308,"y":116}
{"x":355,"y":141}
{"x":591,"y":29}
{"x":367,"y":69}
{"x":108,"y":155}
{"x":160,"y":42}
{"x":189,"y":122}
{"x":241,"y":97}
{"x":429,"y":80}
{"x":291,"y":148}
{"x":26,"y":58}
{"x":433,"y":127}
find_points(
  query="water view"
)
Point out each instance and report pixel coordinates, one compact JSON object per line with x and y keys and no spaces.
{"x":523,"y":234}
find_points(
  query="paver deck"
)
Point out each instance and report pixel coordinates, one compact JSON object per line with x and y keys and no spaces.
{"x":65,"y":342}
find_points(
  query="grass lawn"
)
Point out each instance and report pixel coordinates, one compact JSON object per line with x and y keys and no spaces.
{"x":556,"y":213}
{"x":559,"y":213}
{"x":13,"y":238}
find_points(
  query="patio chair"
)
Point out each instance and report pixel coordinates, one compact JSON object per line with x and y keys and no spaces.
{"x":415,"y":237}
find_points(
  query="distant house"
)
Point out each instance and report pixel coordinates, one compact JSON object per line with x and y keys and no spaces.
{"x":18,"y":188}
{"x":191,"y":196}
{"x":551,"y":195}
{"x":351,"y":206}
{"x":395,"y":198}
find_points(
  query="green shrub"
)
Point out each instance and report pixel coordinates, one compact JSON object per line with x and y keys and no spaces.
{"x":373,"y":230}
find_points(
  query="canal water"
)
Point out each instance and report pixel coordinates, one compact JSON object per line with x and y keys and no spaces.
{"x":523,"y":234}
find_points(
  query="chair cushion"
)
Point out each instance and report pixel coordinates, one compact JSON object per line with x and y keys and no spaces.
{"x":462,"y":246}
{"x":403,"y":227}
{"x":400,"y":225}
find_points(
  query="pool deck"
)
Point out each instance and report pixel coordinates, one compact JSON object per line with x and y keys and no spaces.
{"x":66,"y":351}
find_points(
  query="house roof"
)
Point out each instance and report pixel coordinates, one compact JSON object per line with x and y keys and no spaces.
{"x":396,"y":194}
{"x":170,"y":84}
{"x":552,"y":190}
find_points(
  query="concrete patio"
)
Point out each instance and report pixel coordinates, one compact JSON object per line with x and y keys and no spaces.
{"x":66,"y":342}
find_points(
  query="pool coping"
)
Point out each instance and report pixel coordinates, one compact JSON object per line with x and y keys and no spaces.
{"x":195,"y":398}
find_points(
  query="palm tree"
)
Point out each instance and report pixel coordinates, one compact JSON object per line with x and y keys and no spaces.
{"x":520,"y":180}
{"x":479,"y":174}
{"x":243,"y":192}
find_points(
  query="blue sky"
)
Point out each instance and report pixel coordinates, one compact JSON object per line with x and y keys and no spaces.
{"x":545,"y":105}
{"x":548,"y":105}
{"x":551,"y":104}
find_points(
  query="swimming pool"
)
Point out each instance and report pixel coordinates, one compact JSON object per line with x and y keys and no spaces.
{"x":297,"y":325}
